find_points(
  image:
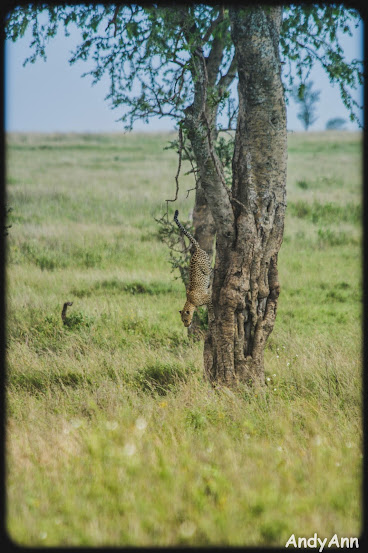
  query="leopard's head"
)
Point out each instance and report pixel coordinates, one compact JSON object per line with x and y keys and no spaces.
{"x":187,"y":313}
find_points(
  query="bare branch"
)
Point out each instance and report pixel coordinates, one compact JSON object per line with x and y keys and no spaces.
{"x":181,"y":79}
{"x":177,"y":172}
{"x":213,"y":25}
{"x":190,"y":190}
{"x":113,"y":20}
{"x":226,"y":80}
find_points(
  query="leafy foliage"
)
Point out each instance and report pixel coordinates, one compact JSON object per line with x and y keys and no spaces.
{"x":149,"y":51}
{"x":78,"y":320}
{"x":179,"y":255}
{"x":311,"y":34}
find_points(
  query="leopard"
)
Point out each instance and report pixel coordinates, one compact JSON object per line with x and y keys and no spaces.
{"x":200,"y":273}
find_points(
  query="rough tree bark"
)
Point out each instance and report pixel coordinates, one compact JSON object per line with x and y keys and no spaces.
{"x":249,"y":221}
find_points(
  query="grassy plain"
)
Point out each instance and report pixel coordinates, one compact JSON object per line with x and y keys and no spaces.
{"x":113,"y":437}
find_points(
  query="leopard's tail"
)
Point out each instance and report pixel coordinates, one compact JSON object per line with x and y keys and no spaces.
{"x":184,"y":230}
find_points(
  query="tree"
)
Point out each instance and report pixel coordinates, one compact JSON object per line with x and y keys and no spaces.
{"x":182,"y":63}
{"x":307,"y":99}
{"x":337,"y":123}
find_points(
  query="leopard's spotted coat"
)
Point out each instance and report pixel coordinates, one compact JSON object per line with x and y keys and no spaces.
{"x":198,"y":291}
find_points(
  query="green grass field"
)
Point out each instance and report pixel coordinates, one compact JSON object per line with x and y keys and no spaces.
{"x":113,"y":437}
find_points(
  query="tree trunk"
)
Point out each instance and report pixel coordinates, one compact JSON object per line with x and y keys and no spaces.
{"x":249,"y":219}
{"x":246,"y":286}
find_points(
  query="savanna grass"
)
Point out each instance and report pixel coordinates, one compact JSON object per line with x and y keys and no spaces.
{"x":113,"y":436}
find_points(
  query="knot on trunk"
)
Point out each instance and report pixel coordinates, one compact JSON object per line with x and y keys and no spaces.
{"x":275,"y":292}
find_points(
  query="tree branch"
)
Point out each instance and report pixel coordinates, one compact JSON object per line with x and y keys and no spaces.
{"x":213,"y":60}
{"x":113,"y":20}
{"x":213,"y":25}
{"x":178,"y":171}
{"x":210,"y":168}
{"x":226,"y":80}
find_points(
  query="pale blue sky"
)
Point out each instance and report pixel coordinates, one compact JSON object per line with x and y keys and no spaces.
{"x":52,"y":96}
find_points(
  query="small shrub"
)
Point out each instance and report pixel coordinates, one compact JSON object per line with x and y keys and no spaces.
{"x":160,"y":377}
{"x":46,"y":325}
{"x":81,"y":292}
{"x":46,"y":262}
{"x":343,"y":285}
{"x":302,"y":184}
{"x":78,"y":320}
{"x":336,"y":296}
{"x":271,"y":530}
{"x":70,"y":378}
{"x":152,"y":288}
